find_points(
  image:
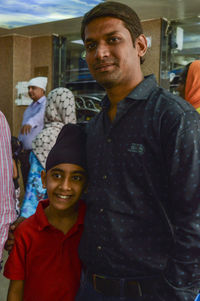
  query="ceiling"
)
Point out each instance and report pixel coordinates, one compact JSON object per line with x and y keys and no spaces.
{"x":146,"y":9}
{"x":184,"y":13}
{"x":170,"y":9}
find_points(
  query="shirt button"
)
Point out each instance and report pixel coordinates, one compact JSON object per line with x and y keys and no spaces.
{"x":99,"y":248}
{"x":104,"y":177}
{"x":101,"y":210}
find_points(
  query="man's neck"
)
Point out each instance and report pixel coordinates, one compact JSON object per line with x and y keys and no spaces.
{"x":117,"y":94}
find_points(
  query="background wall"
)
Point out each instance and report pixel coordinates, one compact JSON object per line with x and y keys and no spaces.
{"x":21,"y":58}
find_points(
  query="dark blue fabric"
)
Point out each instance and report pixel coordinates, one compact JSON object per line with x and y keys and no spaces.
{"x":143,"y":201}
{"x":87,"y":293}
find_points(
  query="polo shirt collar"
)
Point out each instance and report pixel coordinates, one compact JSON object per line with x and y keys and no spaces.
{"x":40,"y":216}
{"x":140,"y":92}
{"x":41,"y":100}
{"x":43,"y":222}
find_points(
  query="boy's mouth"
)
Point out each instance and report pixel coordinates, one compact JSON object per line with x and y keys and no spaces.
{"x":63,"y":196}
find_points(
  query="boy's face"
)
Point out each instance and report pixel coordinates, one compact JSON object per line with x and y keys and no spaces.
{"x":65,"y":184}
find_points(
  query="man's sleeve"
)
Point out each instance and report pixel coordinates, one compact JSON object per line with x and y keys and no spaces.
{"x":182,"y":153}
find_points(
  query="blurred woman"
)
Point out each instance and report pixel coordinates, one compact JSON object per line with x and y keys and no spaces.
{"x":189,"y":84}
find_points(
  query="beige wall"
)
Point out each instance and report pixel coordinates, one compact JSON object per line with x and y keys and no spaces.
{"x":42,"y":58}
{"x":21,"y":58}
{"x":21,"y":72}
{"x":6,"y":77}
{"x":152,"y":28}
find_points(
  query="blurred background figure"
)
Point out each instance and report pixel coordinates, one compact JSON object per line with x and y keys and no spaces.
{"x":7,"y":200}
{"x":17,"y":147}
{"x":60,"y":110}
{"x":33,"y":121}
{"x":189,"y":84}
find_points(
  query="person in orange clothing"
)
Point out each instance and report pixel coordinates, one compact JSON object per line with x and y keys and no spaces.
{"x":189,"y":84}
{"x":44,"y":262}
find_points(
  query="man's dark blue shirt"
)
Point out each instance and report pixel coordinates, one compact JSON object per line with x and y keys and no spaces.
{"x":143,"y":200}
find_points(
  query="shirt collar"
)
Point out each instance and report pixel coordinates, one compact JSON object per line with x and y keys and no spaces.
{"x":41,"y":100}
{"x":42,"y":220}
{"x":140,"y":92}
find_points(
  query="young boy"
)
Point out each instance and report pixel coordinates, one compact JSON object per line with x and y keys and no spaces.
{"x":44,"y":263}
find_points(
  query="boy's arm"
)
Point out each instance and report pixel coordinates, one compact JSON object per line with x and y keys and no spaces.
{"x":15,"y":290}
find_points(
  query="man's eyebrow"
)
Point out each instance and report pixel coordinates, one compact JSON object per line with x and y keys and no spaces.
{"x":107,"y":34}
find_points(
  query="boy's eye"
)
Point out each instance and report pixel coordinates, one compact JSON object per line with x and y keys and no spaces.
{"x":56,"y":175}
{"x":77,"y":178}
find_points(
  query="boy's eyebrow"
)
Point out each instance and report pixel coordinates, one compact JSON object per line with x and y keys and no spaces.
{"x":74,"y":171}
{"x":107,"y":34}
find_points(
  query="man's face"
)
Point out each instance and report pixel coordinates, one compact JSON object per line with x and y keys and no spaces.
{"x":35,"y":93}
{"x":110,"y":53}
{"x":65,"y":183}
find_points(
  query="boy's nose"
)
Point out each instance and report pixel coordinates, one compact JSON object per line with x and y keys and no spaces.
{"x":66,"y":184}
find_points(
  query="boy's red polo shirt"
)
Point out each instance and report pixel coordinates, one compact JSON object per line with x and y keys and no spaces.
{"x":45,"y":258}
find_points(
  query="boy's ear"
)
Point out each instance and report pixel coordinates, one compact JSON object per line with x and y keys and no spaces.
{"x":43,"y":178}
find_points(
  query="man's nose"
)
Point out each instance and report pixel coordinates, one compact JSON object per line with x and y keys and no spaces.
{"x":102,"y":50}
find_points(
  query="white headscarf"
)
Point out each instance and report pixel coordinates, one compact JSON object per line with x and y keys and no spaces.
{"x":60,"y":110}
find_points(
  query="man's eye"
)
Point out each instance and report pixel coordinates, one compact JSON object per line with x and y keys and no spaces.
{"x":113,"y":39}
{"x":90,"y":46}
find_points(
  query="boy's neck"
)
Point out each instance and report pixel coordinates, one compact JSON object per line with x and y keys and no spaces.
{"x":62,"y":220}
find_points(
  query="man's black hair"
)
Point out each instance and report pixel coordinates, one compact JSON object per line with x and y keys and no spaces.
{"x":116,"y":10}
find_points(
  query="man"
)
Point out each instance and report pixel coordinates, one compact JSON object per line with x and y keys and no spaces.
{"x":33,"y":121}
{"x":141,"y":239}
{"x":7,"y":200}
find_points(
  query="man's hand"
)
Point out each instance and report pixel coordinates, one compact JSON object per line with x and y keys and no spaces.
{"x":11,"y":240}
{"x":26,"y":129}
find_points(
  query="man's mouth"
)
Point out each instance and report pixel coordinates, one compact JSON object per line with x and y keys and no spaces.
{"x":103,"y":67}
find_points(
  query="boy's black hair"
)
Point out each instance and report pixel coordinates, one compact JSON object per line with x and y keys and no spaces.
{"x":116,"y":10}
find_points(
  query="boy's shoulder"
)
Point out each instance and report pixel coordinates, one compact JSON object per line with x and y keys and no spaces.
{"x":26,"y":225}
{"x":34,"y":222}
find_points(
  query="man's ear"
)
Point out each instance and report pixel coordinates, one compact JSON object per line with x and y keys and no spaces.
{"x":43,"y":178}
{"x":141,"y":45}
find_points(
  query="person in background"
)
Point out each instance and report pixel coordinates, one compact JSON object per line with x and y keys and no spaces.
{"x":189,"y":84}
{"x":7,"y":199}
{"x":44,"y":262}
{"x":60,"y":110}
{"x":33,"y":121}
{"x":141,"y":238}
{"x":16,"y":150}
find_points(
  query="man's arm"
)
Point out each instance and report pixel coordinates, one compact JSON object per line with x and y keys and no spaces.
{"x":15,"y":290}
{"x":11,"y":239}
{"x":182,"y":154}
{"x":26,"y":128}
